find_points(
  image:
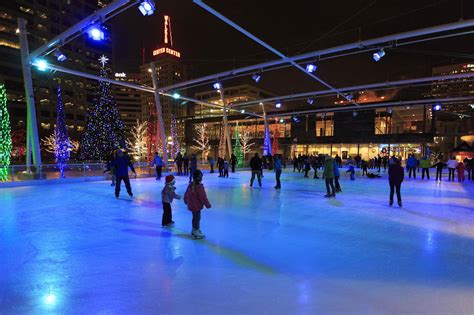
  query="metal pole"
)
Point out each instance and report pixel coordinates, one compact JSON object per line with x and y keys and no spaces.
{"x":225,"y":122}
{"x":159,"y":114}
{"x":32,"y":139}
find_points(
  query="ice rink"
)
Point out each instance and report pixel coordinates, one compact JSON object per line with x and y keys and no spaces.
{"x":75,"y":249}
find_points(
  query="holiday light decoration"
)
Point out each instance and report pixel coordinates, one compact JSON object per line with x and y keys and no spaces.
{"x":246,"y":141}
{"x":202,"y":140}
{"x":222,"y":143}
{"x":175,"y":147}
{"x":49,"y":143}
{"x":62,"y":146}
{"x":104,"y":131}
{"x":238,"y":148}
{"x":137,"y":145}
{"x":276,"y":134}
{"x":5,"y":135}
{"x":267,"y":143}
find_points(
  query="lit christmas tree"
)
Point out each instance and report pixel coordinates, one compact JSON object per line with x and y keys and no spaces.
{"x":267,"y":142}
{"x":201,"y":140}
{"x":275,"y":146}
{"x":61,"y":138}
{"x":5,"y":135}
{"x":222,"y":143}
{"x":175,"y":148}
{"x":246,"y":142}
{"x":238,"y":148}
{"x":104,"y":131}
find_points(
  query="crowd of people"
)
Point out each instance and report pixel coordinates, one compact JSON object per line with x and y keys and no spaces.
{"x":196,"y":199}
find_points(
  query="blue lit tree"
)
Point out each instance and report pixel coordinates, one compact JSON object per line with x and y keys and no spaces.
{"x":104,"y":131}
{"x":267,"y":142}
{"x":61,"y":138}
{"x":5,"y":135}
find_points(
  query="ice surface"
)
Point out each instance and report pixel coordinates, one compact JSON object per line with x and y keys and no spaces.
{"x":74,"y":248}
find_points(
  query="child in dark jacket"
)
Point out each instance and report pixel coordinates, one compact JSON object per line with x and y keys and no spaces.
{"x":195,"y":198}
{"x":395,"y":179}
{"x":167,"y":195}
{"x":351,"y":170}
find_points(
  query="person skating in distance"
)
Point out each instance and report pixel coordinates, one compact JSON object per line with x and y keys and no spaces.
{"x":195,"y":198}
{"x":121,"y":164}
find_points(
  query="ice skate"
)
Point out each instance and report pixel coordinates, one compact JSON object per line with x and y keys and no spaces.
{"x":196,"y":234}
{"x":391,"y":203}
{"x":400,"y":203}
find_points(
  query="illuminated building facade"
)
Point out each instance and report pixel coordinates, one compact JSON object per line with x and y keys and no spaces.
{"x":128,"y":100}
{"x":170,"y":70}
{"x":45,"y":20}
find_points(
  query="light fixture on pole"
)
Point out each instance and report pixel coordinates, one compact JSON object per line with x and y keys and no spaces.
{"x":378,"y":55}
{"x":437,"y":107}
{"x":278,"y":105}
{"x":311,"y":67}
{"x":96,"y":33}
{"x":389,"y":110}
{"x":217,"y":85}
{"x":41,"y":64}
{"x":60,"y":56}
{"x":243,"y":111}
{"x":354,"y":114}
{"x":310,"y":101}
{"x":282,"y":120}
{"x":147,"y":7}
{"x":295,"y":119}
{"x":256,"y":77}
{"x":176,"y":96}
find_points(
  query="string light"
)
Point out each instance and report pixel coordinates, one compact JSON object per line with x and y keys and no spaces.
{"x":5,"y":135}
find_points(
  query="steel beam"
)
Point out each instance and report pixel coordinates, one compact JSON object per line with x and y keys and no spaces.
{"x":159,"y":114}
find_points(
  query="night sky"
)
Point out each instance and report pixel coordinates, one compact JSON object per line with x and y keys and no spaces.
{"x":208,"y":45}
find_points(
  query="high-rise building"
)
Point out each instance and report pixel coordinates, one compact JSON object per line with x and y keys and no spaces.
{"x":128,"y":100}
{"x":170,"y":70}
{"x":45,"y":20}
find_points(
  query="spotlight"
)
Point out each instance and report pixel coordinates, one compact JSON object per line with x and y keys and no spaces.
{"x":256,"y":77}
{"x":349,"y":97}
{"x":354,"y":114}
{"x":310,"y":68}
{"x":282,"y":120}
{"x":60,"y":56}
{"x":17,"y":31}
{"x":176,"y":96}
{"x":437,"y":107}
{"x":50,"y":299}
{"x":389,"y":110}
{"x":378,"y":55}
{"x":295,"y":119}
{"x":310,"y":101}
{"x":278,"y":105}
{"x":41,"y":64}
{"x":217,"y":86}
{"x":95,"y":33}
{"x":147,"y":7}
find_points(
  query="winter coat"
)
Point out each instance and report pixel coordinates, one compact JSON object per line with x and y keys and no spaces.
{"x":440,"y":165}
{"x":460,"y":168}
{"x":412,"y":161}
{"x":277,"y":165}
{"x":168,"y":193}
{"x":452,"y":163}
{"x":395,"y":174}
{"x":226,"y":166}
{"x":425,"y":163}
{"x":194,"y":164}
{"x":256,"y":163}
{"x":197,"y":199}
{"x":351,"y":169}
{"x":121,"y":165}
{"x":328,"y":168}
{"x":157,"y":161}
{"x":336,"y":169}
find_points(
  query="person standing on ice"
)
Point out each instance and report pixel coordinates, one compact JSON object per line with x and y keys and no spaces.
{"x":395,"y":179}
{"x":121,"y":164}
{"x":425,"y":168}
{"x":452,"y":165}
{"x":225,"y":169}
{"x":460,"y":169}
{"x":233,"y":162}
{"x":195,"y":198}
{"x":211,"y":164}
{"x":194,"y":166}
{"x":328,"y":174}
{"x":167,"y":195}
{"x":439,"y":169}
{"x":158,"y":163}
{"x":277,"y":166}
{"x":351,"y":170}
{"x":186,"y":164}
{"x":256,"y":166}
{"x":412,"y":162}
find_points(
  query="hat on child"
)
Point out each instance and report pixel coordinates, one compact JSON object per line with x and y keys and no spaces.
{"x":169,"y":178}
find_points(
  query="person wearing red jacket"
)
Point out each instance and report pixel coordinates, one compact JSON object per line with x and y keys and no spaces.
{"x":395,"y":179}
{"x":195,"y":198}
{"x":460,"y":169}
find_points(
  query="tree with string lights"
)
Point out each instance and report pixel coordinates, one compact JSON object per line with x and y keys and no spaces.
{"x":61,"y":138}
{"x":5,"y":135}
{"x":246,"y":141}
{"x":175,"y":147}
{"x":104,"y":131}
{"x":275,"y":146}
{"x":222,"y":143}
{"x":202,"y":140}
{"x":238,"y":148}
{"x":138,"y":144}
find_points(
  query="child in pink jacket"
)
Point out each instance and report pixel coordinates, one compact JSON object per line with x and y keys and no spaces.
{"x":195,"y":198}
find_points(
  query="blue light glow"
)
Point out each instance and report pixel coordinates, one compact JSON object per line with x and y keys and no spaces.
{"x":50,"y":299}
{"x":437,"y":107}
{"x":60,"y":56}
{"x":278,"y":105}
{"x":95,"y":33}
{"x":217,"y":86}
{"x":379,"y":54}
{"x":310,"y":101}
{"x":147,"y":7}
{"x":256,"y":77}
{"x":41,"y":64}
{"x":243,"y":111}
{"x":310,"y":68}
{"x":176,"y":96}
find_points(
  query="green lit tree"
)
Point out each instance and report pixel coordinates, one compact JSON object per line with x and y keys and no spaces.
{"x":238,"y":148}
{"x":104,"y":131}
{"x":5,"y":135}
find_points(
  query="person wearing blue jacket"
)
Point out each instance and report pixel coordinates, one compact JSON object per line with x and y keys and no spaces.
{"x":412,"y":163}
{"x":336,"y":176}
{"x":121,"y":163}
{"x":277,"y":166}
{"x":351,"y":170}
{"x":158,"y":163}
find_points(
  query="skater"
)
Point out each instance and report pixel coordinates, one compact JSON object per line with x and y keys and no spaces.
{"x":411,"y":166}
{"x":295,"y":163}
{"x":395,"y":179}
{"x":425,"y":168}
{"x":256,"y":166}
{"x":336,"y":177}
{"x":314,"y":165}
{"x":226,"y":169}
{"x":179,"y":163}
{"x":121,"y":164}
{"x":364,"y":167}
{"x":469,"y":164}
{"x":307,"y":167}
{"x":158,"y":163}
{"x":167,"y":195}
{"x":329,"y":176}
{"x":233,"y":162}
{"x":439,"y":169}
{"x":351,"y":170}
{"x":277,"y":163}
{"x":195,"y":198}
{"x":338,"y":160}
{"x":193,"y":167}
{"x":452,"y":165}
{"x":220,"y":166}
{"x":186,"y":165}
{"x":460,"y":169}
{"x":211,"y":164}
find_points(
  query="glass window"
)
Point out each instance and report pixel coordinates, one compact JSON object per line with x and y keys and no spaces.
{"x":324,"y":124}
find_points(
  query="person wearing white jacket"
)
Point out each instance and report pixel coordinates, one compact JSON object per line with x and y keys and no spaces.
{"x":452,"y":164}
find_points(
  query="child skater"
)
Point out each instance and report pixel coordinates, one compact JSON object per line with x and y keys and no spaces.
{"x":460,"y":169}
{"x":352,"y":171}
{"x":195,"y":198}
{"x":226,"y":169}
{"x":167,"y":195}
